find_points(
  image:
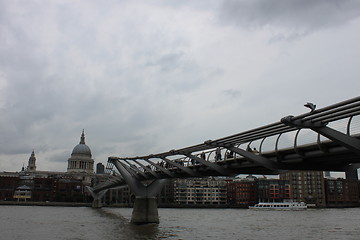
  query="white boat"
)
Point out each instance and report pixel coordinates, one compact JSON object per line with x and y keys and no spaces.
{"x":279,"y":206}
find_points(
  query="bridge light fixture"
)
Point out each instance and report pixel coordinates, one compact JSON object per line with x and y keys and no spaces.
{"x":311,"y":106}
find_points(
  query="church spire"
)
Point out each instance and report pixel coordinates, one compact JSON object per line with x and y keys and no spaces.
{"x":82,"y":139}
{"x":32,"y":162}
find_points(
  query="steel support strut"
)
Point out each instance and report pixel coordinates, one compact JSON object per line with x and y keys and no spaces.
{"x":249,"y":155}
{"x":145,"y":206}
{"x":164,"y":170}
{"x":179,"y":166}
{"x":211,"y":165}
{"x":351,"y":143}
{"x":347,"y":141}
{"x":263,"y":161}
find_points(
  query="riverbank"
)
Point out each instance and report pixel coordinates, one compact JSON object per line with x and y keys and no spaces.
{"x":121,"y":205}
{"x":28,"y":203}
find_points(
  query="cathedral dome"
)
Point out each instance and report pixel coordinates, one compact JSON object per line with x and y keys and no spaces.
{"x":80,"y":160}
{"x":82,"y":148}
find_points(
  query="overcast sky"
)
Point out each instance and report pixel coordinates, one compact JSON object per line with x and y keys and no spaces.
{"x":143,"y":77}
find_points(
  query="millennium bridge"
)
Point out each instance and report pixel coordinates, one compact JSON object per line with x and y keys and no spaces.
{"x":326,"y":139}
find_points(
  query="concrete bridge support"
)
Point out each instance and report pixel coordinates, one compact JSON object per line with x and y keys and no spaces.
{"x":97,"y":203}
{"x":97,"y":196}
{"x":145,"y":207}
{"x":145,"y":211}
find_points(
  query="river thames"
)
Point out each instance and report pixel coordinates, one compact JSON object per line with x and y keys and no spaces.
{"x":77,"y":223}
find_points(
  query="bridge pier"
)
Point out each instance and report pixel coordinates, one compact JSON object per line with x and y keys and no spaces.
{"x":97,"y":197}
{"x":97,"y":203}
{"x":145,"y":211}
{"x":145,"y":206}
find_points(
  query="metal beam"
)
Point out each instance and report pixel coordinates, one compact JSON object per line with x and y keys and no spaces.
{"x":209,"y":164}
{"x":347,"y":141}
{"x":351,"y":143}
{"x":136,"y":186}
{"x":109,"y":184}
{"x":147,"y":169}
{"x":187,"y":170}
{"x":164,"y":170}
{"x":263,"y":161}
{"x":133,"y":170}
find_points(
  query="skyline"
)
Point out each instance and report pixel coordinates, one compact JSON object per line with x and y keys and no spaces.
{"x":144,"y":77}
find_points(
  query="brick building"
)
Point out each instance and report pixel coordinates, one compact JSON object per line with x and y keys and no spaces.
{"x":306,"y":186}
{"x":273,"y":190}
{"x":242,"y":193}
{"x":8,"y":185}
{"x":342,"y":193}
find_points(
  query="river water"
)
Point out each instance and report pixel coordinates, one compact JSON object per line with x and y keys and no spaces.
{"x":77,"y":223}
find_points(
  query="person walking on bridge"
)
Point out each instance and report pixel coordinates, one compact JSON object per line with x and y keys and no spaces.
{"x":218,"y":154}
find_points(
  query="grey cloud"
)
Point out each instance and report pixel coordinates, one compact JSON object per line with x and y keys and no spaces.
{"x":60,"y":157}
{"x":168,"y":62}
{"x":294,"y":15}
{"x":232,"y":93}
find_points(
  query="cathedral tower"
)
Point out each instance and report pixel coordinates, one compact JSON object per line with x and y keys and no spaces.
{"x":32,"y":162}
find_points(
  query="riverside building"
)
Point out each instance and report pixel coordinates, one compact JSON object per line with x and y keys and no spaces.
{"x":251,"y":190}
{"x":200,"y":191}
{"x":242,"y":192}
{"x":342,"y":193}
{"x":273,"y":190}
{"x":306,"y":186}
